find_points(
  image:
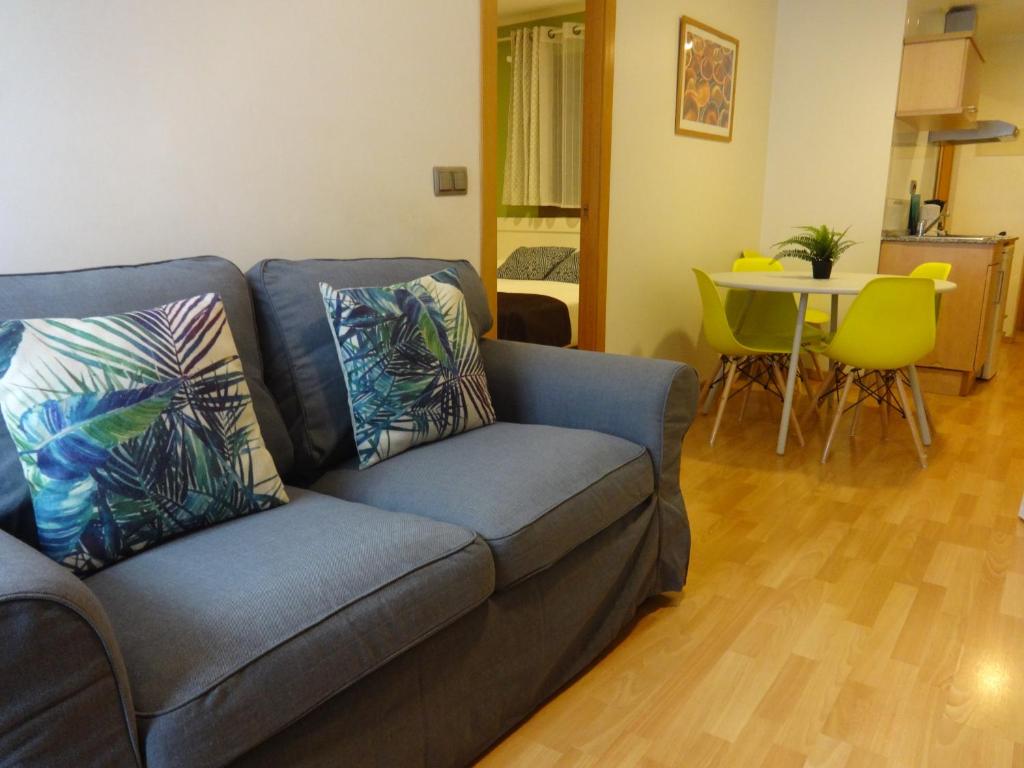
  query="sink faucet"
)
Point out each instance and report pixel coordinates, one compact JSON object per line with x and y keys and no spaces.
{"x":922,"y":230}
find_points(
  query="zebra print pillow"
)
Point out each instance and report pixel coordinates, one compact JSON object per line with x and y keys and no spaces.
{"x":568,"y":271}
{"x":526,"y":263}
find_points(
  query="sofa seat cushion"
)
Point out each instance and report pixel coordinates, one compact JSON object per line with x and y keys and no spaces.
{"x":532,"y":492}
{"x":232,"y":633}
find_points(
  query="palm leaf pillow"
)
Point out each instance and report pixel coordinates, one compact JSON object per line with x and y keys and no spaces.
{"x":132,"y":429}
{"x":411,"y":363}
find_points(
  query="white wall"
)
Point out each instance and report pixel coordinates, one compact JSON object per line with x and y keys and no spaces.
{"x":531,"y":232}
{"x":679,"y":201}
{"x":988,"y":179}
{"x":912,"y":158}
{"x":133,"y":131}
{"x":837,"y":66}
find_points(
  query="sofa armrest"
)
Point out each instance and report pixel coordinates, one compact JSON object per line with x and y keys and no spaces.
{"x":66,"y":699}
{"x":650,"y":402}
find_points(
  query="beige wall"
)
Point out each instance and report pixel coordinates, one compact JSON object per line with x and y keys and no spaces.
{"x":816,"y":92}
{"x":988,"y":179}
{"x":833,"y":97}
{"x":135,"y":131}
{"x":533,"y":232}
{"x":678,"y":201}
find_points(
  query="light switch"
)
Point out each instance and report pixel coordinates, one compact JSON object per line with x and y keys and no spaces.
{"x":450,"y":180}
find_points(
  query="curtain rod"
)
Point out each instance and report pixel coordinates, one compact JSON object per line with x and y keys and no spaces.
{"x":552,"y":33}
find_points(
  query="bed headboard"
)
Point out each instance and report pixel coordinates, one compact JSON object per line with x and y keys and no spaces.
{"x":513,"y":233}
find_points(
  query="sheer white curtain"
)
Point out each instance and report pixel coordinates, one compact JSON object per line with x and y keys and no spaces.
{"x":545,"y":117}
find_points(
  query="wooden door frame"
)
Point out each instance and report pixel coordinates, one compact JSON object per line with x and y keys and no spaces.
{"x":488,"y":156}
{"x":599,"y":49}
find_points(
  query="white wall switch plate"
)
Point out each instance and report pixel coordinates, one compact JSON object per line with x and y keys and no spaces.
{"x":450,"y":180}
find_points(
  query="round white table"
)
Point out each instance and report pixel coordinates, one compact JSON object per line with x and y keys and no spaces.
{"x":840,"y":284}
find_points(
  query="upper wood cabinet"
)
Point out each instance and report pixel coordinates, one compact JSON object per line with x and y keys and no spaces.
{"x":939,"y":81}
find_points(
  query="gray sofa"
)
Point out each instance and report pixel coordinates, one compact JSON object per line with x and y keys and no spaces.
{"x":408,"y":614}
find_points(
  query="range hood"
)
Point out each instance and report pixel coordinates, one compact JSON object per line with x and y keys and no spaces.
{"x":986,"y":131}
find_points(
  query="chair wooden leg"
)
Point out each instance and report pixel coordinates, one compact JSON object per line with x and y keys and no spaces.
{"x":921,"y":455}
{"x":746,"y":399}
{"x":792,"y":411}
{"x":829,"y":380}
{"x":853,"y":421}
{"x":839,"y":414}
{"x":802,"y":370}
{"x":704,"y":399}
{"x":817,"y":367}
{"x":884,"y":409}
{"x":714,"y":384}
{"x":730,"y":372}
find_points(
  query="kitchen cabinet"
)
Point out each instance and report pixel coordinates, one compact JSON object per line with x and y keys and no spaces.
{"x":966,"y":314}
{"x":939,"y":81}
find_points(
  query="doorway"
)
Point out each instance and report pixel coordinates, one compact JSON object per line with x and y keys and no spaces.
{"x":589,"y":215}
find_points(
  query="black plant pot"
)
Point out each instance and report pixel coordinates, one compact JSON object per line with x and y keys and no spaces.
{"x":822,"y":270}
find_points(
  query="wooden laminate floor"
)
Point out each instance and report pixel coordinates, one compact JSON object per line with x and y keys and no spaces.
{"x":862,"y":613}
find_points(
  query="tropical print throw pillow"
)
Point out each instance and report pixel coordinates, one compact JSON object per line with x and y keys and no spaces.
{"x":411,"y":362}
{"x":132,"y":429}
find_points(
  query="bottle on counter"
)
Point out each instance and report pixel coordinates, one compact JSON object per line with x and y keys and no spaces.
{"x":914,"y":219}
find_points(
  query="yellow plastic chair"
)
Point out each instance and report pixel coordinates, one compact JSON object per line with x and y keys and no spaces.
{"x":933,"y":270}
{"x":761,"y":317}
{"x":889,"y":326}
{"x":755,"y":314}
{"x":755,"y":261}
{"x":757,"y":362}
{"x":739,"y":303}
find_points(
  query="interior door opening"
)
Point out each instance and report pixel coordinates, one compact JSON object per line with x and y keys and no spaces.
{"x":546,"y":118}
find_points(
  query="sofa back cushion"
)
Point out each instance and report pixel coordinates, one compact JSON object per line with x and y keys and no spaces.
{"x":109,"y":290}
{"x":302,"y":368}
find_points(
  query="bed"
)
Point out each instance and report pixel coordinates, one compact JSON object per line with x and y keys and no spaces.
{"x":533,"y":316}
{"x":539,"y":296}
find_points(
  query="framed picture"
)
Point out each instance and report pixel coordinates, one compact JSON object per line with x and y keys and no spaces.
{"x":706,"y":86}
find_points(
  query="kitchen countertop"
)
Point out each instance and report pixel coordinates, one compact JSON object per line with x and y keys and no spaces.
{"x":949,"y":239}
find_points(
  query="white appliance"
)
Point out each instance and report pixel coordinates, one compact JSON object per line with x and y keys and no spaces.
{"x":994,"y":333}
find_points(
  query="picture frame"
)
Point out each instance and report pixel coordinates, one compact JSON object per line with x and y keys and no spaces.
{"x":706,"y":81}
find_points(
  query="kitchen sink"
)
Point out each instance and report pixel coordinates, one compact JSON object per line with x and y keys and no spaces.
{"x":929,"y":238}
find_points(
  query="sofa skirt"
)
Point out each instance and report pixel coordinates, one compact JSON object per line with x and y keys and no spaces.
{"x":448,"y":699}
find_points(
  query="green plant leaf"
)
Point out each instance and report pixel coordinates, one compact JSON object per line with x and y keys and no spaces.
{"x":11,"y":332}
{"x":818,"y":244}
{"x":73,"y":436}
{"x":63,"y":509}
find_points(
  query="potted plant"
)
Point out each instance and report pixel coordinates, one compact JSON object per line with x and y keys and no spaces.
{"x":821,"y":246}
